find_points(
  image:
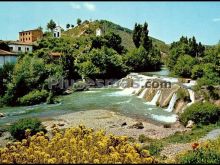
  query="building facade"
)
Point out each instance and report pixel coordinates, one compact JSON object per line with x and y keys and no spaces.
{"x":30,"y":35}
{"x":17,"y":47}
{"x":98,"y":32}
{"x":7,"y":57}
{"x":57,"y":32}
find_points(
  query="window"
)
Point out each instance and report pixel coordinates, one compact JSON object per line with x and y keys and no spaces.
{"x":11,"y":48}
{"x":27,"y":49}
{"x":29,"y":38}
{"x":58,"y":34}
{"x":19,"y":48}
{"x":54,"y":34}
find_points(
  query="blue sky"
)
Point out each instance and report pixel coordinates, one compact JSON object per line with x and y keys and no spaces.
{"x":167,"y":21}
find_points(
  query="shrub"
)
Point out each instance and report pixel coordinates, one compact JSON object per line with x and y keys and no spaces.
{"x":154,"y":148}
{"x":34,"y":97}
{"x":204,"y":113}
{"x":75,"y":146}
{"x":142,"y":138}
{"x":206,"y":153}
{"x":17,"y":129}
{"x":183,"y":94}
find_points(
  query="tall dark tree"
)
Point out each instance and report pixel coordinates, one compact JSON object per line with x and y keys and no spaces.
{"x":51,"y":25}
{"x":145,"y":40}
{"x":137,"y":35}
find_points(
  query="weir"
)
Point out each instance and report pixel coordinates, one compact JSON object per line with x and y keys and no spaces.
{"x":172,"y":103}
{"x":155,"y":98}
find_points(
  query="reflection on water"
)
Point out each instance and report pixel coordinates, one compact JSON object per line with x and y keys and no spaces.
{"x":164,"y":72}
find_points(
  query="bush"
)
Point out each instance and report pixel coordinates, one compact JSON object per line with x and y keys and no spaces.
{"x":154,"y":148}
{"x":34,"y":97}
{"x":201,"y":113}
{"x":17,"y":129}
{"x":183,"y":94}
{"x":207,"y":153}
{"x":75,"y":146}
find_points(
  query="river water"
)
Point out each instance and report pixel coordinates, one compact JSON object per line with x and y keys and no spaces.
{"x":113,"y":99}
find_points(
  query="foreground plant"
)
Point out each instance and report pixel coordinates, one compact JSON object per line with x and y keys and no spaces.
{"x":205,"y":153}
{"x":74,"y":145}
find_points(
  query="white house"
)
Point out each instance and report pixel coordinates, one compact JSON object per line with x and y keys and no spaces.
{"x":20,"y":47}
{"x":98,"y":32}
{"x":7,"y":57}
{"x":57,"y":32}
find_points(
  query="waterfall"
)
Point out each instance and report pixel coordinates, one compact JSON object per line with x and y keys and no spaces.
{"x":192,"y":96}
{"x":155,"y":98}
{"x":143,"y":93}
{"x":172,"y":103}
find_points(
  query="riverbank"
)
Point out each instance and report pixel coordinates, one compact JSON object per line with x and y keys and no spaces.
{"x":113,"y":123}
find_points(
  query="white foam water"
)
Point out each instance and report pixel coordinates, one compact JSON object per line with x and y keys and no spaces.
{"x":143,"y":93}
{"x":172,"y":103}
{"x":192,"y":96}
{"x":167,"y":119}
{"x":155,"y":98}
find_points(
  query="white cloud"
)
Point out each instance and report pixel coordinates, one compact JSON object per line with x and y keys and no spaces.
{"x":89,"y":6}
{"x":75,"y":6}
{"x":216,"y":19}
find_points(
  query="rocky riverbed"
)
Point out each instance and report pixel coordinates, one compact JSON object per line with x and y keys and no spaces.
{"x":113,"y":123}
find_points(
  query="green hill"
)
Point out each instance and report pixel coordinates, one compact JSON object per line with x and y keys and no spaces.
{"x":88,"y":29}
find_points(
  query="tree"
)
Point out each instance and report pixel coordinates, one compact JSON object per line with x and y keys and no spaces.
{"x":51,"y":25}
{"x":4,"y":46}
{"x":40,"y":28}
{"x":145,"y":40}
{"x":137,"y":34}
{"x":142,"y":60}
{"x":114,"y":42}
{"x":184,"y":66}
{"x":68,"y":26}
{"x":79,"y":21}
{"x":72,"y":26}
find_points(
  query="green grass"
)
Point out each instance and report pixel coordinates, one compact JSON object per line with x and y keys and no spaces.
{"x":155,"y":146}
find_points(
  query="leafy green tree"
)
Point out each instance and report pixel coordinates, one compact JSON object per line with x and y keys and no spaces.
{"x":4,"y":46}
{"x":51,"y":25}
{"x":114,"y":42}
{"x":197,"y":71}
{"x":142,"y":60}
{"x":40,"y":28}
{"x":5,"y":76}
{"x":68,"y":26}
{"x":184,"y":66}
{"x":79,"y":21}
{"x":145,"y":40}
{"x":72,"y":26}
{"x":68,"y":65}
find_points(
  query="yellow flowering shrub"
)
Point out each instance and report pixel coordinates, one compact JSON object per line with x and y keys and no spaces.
{"x":74,"y":145}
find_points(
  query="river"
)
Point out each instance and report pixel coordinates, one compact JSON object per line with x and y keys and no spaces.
{"x":113,"y":99}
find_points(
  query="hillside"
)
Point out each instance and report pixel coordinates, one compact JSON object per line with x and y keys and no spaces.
{"x":88,"y":29}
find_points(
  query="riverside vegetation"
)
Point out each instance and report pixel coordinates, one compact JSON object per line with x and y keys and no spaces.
{"x":112,"y":55}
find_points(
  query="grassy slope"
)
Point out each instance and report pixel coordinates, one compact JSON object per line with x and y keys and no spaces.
{"x":125,"y":33}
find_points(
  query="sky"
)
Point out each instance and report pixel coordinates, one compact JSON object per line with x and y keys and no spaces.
{"x":167,"y":21}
